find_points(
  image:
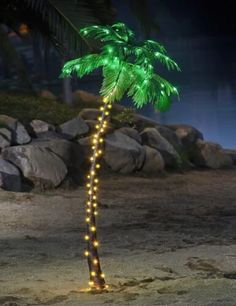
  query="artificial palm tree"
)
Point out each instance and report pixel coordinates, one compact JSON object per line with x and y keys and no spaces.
{"x":127,"y":67}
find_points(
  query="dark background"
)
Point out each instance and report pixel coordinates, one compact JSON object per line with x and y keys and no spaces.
{"x":200,"y":36}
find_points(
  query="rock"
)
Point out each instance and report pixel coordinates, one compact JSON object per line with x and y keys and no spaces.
{"x":132,"y":133}
{"x":152,"y":138}
{"x":122,"y":153}
{"x":90,"y":113}
{"x":47,"y":94}
{"x":39,"y":126}
{"x":39,"y":165}
{"x":231,"y":153}
{"x":86,"y":144}
{"x":84,"y":96}
{"x":74,"y":128}
{"x":210,"y":155}
{"x":10,"y":177}
{"x":170,"y":136}
{"x":6,"y":133}
{"x":70,"y":152}
{"x":81,"y":97}
{"x":140,"y":122}
{"x":4,"y":143}
{"x":187,"y":134}
{"x":154,"y":162}
{"x":19,"y":133}
{"x":51,"y":135}
{"x":92,"y":124}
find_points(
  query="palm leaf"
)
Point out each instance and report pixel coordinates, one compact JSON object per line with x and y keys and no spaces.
{"x":168,"y":62}
{"x":117,"y":80}
{"x":82,"y":65}
{"x":154,"y":46}
{"x":127,"y":67}
{"x":163,"y":103}
{"x":117,"y":32}
{"x":66,"y":17}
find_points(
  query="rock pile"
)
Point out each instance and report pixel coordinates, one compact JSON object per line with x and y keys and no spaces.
{"x":44,"y":156}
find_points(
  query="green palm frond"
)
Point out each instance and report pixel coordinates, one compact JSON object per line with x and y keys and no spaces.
{"x":83,"y":65}
{"x":163,"y":103}
{"x":154,"y":46}
{"x":117,"y":32}
{"x":142,"y":89}
{"x":167,"y":61}
{"x":147,"y":54}
{"x":150,"y":87}
{"x":128,"y":67}
{"x":166,"y":86}
{"x":117,"y":80}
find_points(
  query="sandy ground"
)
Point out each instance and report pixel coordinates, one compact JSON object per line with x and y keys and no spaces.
{"x":164,"y":241}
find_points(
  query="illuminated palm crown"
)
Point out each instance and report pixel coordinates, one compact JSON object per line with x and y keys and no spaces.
{"x":128,"y":66}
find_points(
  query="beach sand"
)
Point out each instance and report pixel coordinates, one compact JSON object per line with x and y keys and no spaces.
{"x":164,"y":241}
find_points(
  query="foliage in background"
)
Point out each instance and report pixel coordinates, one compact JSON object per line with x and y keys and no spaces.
{"x":125,"y":117}
{"x":57,"y":20}
{"x":11,"y":58}
{"x":29,"y":107}
{"x":60,"y":20}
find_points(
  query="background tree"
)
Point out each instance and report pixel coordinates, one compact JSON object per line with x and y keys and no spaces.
{"x":58,"y":22}
{"x":127,"y":67}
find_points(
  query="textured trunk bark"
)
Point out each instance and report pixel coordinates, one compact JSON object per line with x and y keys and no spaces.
{"x":97,"y":280}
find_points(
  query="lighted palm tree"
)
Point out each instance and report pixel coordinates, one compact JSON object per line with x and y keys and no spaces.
{"x":127,"y":67}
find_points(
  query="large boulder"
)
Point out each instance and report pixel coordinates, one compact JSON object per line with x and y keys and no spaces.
{"x":187,"y":134}
{"x":86,"y":144}
{"x":19,"y":133}
{"x":140,"y":122}
{"x":10,"y":177}
{"x":70,"y":152}
{"x":4,"y":140}
{"x":74,"y":128}
{"x":81,"y":97}
{"x":122,"y":153}
{"x":86,"y":97}
{"x":90,"y":113}
{"x":50,"y":135}
{"x":231,"y":153}
{"x":154,"y":162}
{"x":170,"y":136}
{"x":6,"y":133}
{"x":152,"y":138}
{"x":92,"y":124}
{"x":39,"y":126}
{"x":210,"y":155}
{"x":40,"y":166}
{"x":130,"y":132}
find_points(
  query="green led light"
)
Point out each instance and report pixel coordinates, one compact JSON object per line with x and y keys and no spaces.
{"x":127,"y":65}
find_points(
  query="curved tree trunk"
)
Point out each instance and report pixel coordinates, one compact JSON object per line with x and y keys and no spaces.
{"x":97,"y":280}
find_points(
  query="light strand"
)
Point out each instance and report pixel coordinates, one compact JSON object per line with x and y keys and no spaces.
{"x":96,"y":276}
